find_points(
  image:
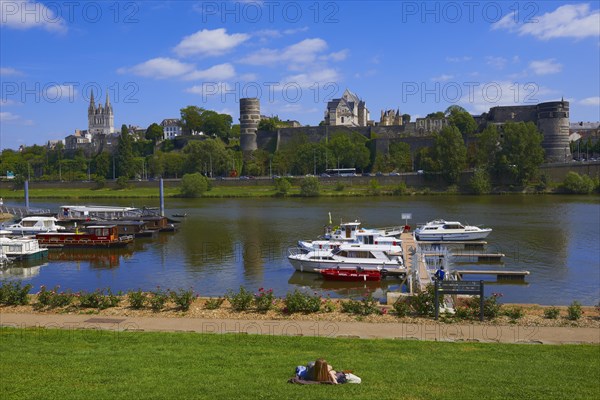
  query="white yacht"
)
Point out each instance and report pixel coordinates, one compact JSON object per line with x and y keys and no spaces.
{"x":351,"y":232}
{"x":34,"y":225}
{"x":440,"y":230}
{"x":348,"y":256}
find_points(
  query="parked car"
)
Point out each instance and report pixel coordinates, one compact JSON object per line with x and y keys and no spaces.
{"x":420,"y":172}
{"x":324,"y":175}
{"x":394,"y":174}
{"x":379,"y":174}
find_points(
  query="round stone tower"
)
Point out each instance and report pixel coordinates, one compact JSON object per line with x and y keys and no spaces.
{"x":553,"y":122}
{"x":249,"y":119}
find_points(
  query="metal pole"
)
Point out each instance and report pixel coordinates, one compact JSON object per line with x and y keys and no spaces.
{"x":481,"y":302}
{"x":162,"y":198}
{"x":27,"y":195}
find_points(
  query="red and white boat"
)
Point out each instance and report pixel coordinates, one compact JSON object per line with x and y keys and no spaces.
{"x":334,"y":274}
{"x":93,"y":236}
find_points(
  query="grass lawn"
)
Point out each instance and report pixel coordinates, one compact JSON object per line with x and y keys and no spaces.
{"x":63,"y":364}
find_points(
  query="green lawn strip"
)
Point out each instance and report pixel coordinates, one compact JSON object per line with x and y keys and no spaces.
{"x":65,"y":364}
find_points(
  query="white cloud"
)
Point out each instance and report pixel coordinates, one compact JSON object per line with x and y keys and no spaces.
{"x":159,"y":68}
{"x":545,"y":67}
{"x":209,"y":43}
{"x":442,"y":78}
{"x":7,"y":102}
{"x":568,"y":21}
{"x":211,"y":89}
{"x":8,"y":116}
{"x":590,"y":101}
{"x":496,"y":62}
{"x":5,"y":71}
{"x":337,"y":56}
{"x":319,"y":77}
{"x":30,"y":14}
{"x":217,"y":72}
{"x":60,"y":92}
{"x":295,"y":56}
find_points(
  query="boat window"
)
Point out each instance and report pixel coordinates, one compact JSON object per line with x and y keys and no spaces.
{"x":28,"y":223}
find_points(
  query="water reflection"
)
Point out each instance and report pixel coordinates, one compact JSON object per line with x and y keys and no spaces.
{"x":225,"y":243}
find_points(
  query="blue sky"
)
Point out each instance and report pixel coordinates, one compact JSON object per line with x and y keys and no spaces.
{"x":156,"y":57}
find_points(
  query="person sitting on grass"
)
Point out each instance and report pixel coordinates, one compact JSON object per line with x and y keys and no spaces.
{"x":323,"y":372}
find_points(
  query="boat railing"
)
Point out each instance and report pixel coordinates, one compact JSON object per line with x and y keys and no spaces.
{"x":295,"y":251}
{"x":389,"y":229}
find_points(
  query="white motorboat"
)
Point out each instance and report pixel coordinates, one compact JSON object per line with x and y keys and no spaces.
{"x":34,"y":225}
{"x":22,"y":248}
{"x":441,"y":230}
{"x":367,"y":257}
{"x":351,"y":232}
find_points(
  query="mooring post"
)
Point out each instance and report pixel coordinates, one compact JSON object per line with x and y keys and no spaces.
{"x":162,"y":198}
{"x":27,"y":195}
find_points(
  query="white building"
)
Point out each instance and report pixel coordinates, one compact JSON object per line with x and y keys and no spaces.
{"x":348,"y":110}
{"x":171,"y":128}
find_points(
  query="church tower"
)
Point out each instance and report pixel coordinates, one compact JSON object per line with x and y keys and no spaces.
{"x":101,"y":119}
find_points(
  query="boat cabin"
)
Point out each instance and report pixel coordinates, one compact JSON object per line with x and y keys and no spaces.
{"x":156,"y":222}
{"x":87,"y":213}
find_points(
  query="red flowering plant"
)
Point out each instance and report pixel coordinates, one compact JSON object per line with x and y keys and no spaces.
{"x":264,"y":300}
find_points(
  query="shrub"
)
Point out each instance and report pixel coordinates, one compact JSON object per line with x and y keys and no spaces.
{"x":193,"y":185}
{"x":158,"y":299}
{"x":183,"y":299}
{"x":577,"y":184}
{"x":241,"y":300}
{"x":310,"y":187}
{"x":423,"y":303}
{"x":514,"y":313}
{"x":339,"y":187}
{"x":367,"y":306}
{"x":401,"y":308}
{"x":13,"y":294}
{"x":574,"y":311}
{"x":301,"y":302}
{"x":137,"y":299}
{"x":551,"y":313}
{"x":213,"y":304}
{"x":99,"y":182}
{"x":264,"y":300}
{"x":282,"y":186}
{"x":98,"y":299}
{"x":374,"y":187}
{"x":122,"y":182}
{"x":400,"y":190}
{"x":52,"y":298}
{"x":491,"y":308}
{"x":328,"y":305}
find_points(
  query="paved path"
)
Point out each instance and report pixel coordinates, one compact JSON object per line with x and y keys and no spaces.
{"x":434,"y":332}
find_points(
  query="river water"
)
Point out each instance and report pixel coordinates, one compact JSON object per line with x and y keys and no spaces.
{"x":225,"y":243}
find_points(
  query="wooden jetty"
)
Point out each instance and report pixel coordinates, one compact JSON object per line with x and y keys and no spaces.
{"x":500,"y":274}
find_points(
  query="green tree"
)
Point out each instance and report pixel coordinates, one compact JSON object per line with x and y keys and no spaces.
{"x":349,"y":150}
{"x":488,"y":149}
{"x":124,"y":154}
{"x":577,"y":184}
{"x":522,"y":152}
{"x":400,"y":156}
{"x":206,"y":156}
{"x":193,"y":185}
{"x":451,"y":153}
{"x":436,"y":115}
{"x":216,"y":124}
{"x":310,"y":187}
{"x":463,"y":121}
{"x":405,"y":118}
{"x":155,"y":133}
{"x":191,"y":119}
{"x":101,"y":164}
{"x":480,"y":182}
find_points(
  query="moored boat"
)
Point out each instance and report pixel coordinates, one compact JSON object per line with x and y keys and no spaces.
{"x":334,"y":274}
{"x":93,"y":236}
{"x":32,"y":225}
{"x":22,"y":248}
{"x":441,"y":230}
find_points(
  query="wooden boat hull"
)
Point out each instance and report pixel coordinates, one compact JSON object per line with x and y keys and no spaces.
{"x":348,"y":275}
{"x":80,"y":240}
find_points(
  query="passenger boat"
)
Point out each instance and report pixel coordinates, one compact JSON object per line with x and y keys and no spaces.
{"x":332,"y":274}
{"x":89,"y":213}
{"x":94,"y":236}
{"x":33,"y":225}
{"x":135,"y":228}
{"x":22,"y":248}
{"x":348,"y":256}
{"x":450,"y":231}
{"x":157,"y":223}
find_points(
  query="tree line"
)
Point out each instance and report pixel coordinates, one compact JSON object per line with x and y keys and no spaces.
{"x":513,"y":151}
